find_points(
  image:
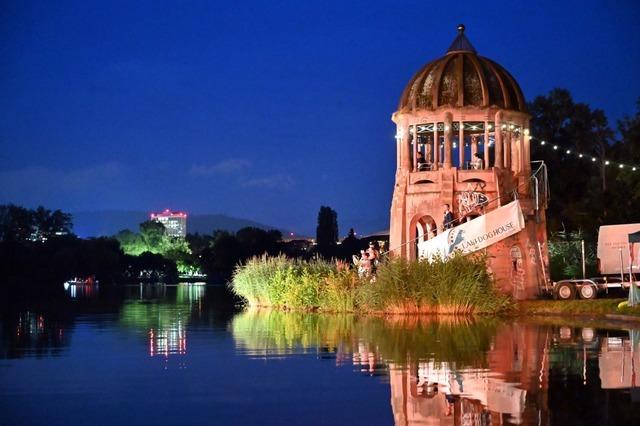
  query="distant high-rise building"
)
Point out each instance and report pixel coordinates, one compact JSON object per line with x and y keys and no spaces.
{"x":174,"y":222}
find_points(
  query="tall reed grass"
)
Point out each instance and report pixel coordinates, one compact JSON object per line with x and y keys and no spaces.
{"x":459,"y":285}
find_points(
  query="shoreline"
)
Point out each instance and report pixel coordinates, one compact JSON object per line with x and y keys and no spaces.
{"x":573,"y":310}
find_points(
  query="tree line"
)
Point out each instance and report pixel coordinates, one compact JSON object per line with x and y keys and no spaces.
{"x":38,"y":246}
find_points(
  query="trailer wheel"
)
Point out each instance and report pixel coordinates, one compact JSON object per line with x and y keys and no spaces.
{"x":588,"y":291}
{"x":565,"y":291}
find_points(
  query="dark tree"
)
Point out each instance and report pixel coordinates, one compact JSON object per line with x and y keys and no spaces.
{"x":350,"y":246}
{"x":623,"y":194}
{"x":327,"y":232}
{"x":223,"y":255}
{"x":16,"y":223}
{"x":256,"y":241}
{"x":48,"y":224}
{"x":572,"y":127}
{"x":21,"y":224}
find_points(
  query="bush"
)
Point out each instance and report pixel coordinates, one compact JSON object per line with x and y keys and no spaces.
{"x":459,"y":285}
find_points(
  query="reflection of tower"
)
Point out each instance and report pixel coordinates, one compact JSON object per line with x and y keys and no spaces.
{"x":514,"y":389}
{"x":467,"y":117}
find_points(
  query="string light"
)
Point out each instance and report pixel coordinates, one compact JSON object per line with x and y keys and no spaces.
{"x":593,"y":159}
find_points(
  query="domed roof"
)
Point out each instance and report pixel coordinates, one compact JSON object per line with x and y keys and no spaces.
{"x":462,"y":78}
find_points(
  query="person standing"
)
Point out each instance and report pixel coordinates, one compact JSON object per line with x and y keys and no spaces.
{"x":374,"y":256}
{"x":477,"y":163}
{"x":421,"y":162}
{"x":364,"y":266}
{"x":447,"y":221}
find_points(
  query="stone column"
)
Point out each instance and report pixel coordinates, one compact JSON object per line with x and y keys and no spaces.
{"x":461,"y":146}
{"x":526,"y":150}
{"x":405,"y":163}
{"x":486,"y":144}
{"x":498,"y":141}
{"x":398,"y":148}
{"x":507,"y":148}
{"x":448,"y":131}
{"x":518,"y":147}
{"x":474,"y":146}
{"x":415,"y":148}
{"x":436,"y":147}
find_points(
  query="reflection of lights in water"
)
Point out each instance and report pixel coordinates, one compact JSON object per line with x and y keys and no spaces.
{"x":33,"y":326}
{"x":81,"y":291}
{"x":168,"y":341}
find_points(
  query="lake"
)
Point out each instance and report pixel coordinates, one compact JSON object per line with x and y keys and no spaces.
{"x":188,"y":354}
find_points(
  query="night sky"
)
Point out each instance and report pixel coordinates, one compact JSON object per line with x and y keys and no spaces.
{"x":263,"y":109}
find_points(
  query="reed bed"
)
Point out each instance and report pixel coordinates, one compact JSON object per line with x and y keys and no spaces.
{"x":460,"y":285}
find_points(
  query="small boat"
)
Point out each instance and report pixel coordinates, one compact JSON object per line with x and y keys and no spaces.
{"x":90,"y":280}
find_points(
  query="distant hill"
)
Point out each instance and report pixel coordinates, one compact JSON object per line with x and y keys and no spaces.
{"x":110,"y":222}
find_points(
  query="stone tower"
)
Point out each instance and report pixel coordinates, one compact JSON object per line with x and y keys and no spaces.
{"x":463,"y":140}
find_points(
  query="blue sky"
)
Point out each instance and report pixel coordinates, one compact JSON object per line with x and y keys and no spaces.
{"x":263,"y":109}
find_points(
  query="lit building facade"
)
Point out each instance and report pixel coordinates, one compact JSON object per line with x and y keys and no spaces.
{"x":463,"y":140}
{"x":174,"y":222}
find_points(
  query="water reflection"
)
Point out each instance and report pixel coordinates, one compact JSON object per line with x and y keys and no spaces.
{"x":30,"y":333}
{"x":413,"y":370}
{"x":460,"y":371}
{"x":81,"y":291}
{"x":163,"y":318}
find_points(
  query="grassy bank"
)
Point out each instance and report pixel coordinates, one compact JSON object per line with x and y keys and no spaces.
{"x":598,"y":307}
{"x":459,"y":286}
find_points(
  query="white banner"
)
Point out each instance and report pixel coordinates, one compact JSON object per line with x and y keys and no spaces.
{"x":476,"y":234}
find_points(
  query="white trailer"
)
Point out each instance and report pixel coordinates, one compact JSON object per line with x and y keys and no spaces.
{"x":613,"y":265}
{"x":613,"y":249}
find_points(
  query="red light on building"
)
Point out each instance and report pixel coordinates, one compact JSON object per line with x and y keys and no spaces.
{"x":174,"y":222}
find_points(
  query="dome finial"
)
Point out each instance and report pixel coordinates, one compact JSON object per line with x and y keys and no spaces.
{"x":461,"y":43}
